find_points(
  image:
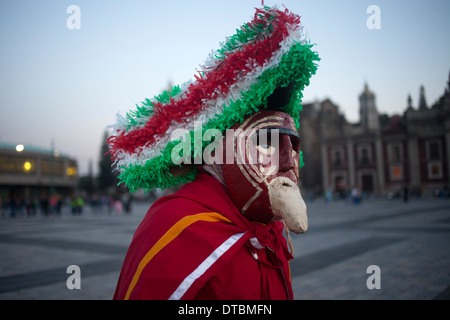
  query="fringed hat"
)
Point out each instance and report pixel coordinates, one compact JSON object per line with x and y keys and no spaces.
{"x":266,"y":59}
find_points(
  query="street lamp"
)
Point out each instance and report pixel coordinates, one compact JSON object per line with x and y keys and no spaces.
{"x":20,"y":147}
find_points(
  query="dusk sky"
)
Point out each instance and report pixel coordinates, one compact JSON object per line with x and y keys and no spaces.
{"x":68,"y":85}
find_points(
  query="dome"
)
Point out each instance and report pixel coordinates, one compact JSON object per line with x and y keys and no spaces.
{"x":367,"y":92}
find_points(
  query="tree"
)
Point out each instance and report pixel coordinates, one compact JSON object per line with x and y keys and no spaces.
{"x":106,"y":178}
{"x":384,"y":119}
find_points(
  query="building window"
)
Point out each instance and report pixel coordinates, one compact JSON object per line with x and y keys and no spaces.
{"x":395,"y":152}
{"x":396,"y":172}
{"x":71,"y":171}
{"x":364,"y":155}
{"x":337,"y":157}
{"x":435,"y":170}
{"x":52,"y":167}
{"x":433,"y":149}
{"x":12,"y":165}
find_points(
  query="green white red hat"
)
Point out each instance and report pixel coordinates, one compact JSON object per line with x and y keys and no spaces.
{"x":235,"y":81}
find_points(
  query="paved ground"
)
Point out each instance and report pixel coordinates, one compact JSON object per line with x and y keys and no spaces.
{"x":409,"y":242}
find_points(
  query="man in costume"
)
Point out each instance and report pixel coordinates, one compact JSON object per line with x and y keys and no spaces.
{"x":221,"y":235}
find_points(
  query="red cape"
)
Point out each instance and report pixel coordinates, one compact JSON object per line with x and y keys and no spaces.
{"x":195,"y":244}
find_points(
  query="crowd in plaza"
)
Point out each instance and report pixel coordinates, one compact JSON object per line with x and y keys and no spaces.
{"x":57,"y":205}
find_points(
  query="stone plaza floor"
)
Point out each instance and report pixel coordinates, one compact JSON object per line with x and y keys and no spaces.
{"x":409,"y":243}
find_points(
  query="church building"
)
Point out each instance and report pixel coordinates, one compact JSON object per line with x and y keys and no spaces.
{"x":380,"y":154}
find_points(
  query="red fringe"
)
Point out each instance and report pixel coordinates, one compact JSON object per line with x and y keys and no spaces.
{"x":208,"y":85}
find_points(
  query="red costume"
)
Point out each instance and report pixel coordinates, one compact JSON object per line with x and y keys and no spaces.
{"x":195,"y":244}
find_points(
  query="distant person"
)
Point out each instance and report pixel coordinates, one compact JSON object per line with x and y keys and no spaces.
{"x":356,"y":196}
{"x":328,"y":195}
{"x":405,"y":194}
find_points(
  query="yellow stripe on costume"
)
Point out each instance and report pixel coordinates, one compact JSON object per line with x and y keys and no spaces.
{"x":170,"y":235}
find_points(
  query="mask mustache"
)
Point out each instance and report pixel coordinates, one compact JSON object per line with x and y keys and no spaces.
{"x":287,"y":204}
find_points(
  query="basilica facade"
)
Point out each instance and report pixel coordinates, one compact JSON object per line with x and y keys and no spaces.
{"x":380,"y":155}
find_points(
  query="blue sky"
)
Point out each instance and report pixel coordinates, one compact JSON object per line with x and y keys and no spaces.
{"x":67,"y":85}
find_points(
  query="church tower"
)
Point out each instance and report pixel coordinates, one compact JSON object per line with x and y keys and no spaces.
{"x":368,"y":110}
{"x":422,"y":100}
